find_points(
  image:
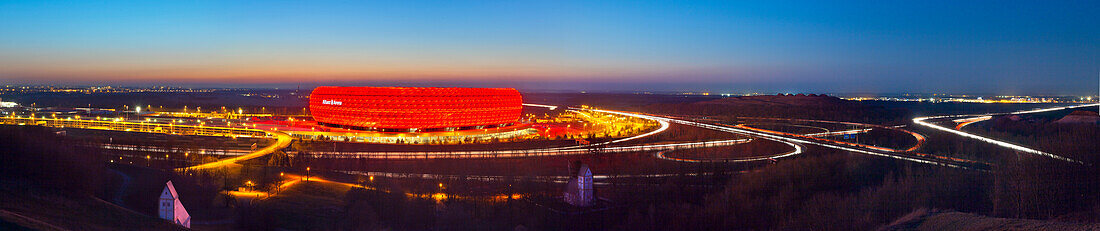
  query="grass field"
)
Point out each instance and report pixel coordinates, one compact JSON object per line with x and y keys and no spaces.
{"x":43,"y":210}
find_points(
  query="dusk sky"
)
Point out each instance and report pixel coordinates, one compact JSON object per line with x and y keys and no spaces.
{"x":1009,"y":47}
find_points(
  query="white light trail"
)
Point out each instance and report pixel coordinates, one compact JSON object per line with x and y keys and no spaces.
{"x":761,"y":134}
{"x":779,"y":138}
{"x":797,"y":150}
{"x":963,"y":122}
{"x":845,"y":132}
{"x":541,"y":105}
{"x":921,"y":121}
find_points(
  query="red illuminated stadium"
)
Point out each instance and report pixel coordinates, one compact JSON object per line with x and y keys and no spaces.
{"x":415,"y":109}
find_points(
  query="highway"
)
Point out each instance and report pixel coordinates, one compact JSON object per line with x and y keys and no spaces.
{"x":282,"y":140}
{"x":923,"y":122}
{"x":573,"y":150}
{"x":797,"y":150}
{"x":852,"y":147}
{"x":919,"y":138}
{"x":963,"y":122}
{"x":543,"y":178}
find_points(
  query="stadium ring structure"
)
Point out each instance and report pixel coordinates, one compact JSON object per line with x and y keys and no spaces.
{"x":417,"y":114}
{"x":415,"y":109}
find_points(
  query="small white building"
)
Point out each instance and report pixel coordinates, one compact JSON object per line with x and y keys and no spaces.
{"x":579,"y":190}
{"x":170,"y":207}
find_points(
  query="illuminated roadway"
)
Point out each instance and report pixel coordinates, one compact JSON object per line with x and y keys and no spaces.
{"x":852,"y":147}
{"x":922,"y":121}
{"x":963,"y":122}
{"x":797,"y":149}
{"x":282,"y":140}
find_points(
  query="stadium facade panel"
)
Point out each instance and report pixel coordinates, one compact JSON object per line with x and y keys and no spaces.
{"x":415,"y":108}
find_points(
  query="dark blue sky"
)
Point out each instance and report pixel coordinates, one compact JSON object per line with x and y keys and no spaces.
{"x":1003,"y":47}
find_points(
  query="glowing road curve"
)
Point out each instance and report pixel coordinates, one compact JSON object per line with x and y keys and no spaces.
{"x":922,"y":121}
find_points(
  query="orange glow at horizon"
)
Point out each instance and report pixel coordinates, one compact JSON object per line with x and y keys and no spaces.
{"x":281,"y":69}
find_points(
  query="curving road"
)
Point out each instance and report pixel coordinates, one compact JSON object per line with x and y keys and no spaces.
{"x":282,"y":140}
{"x":923,"y":122}
{"x":840,"y":145}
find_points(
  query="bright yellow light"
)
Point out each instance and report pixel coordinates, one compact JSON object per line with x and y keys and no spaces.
{"x":439,"y":196}
{"x":247,"y":194}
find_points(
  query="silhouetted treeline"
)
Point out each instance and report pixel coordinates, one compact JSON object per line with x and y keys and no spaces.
{"x":1032,"y":186}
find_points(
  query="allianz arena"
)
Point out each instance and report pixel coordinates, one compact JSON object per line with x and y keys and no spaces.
{"x":415,"y":109}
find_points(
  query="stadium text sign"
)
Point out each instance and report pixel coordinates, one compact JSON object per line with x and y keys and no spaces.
{"x":331,"y":102}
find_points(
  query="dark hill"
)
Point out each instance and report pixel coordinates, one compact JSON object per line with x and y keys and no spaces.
{"x":1080,"y":117}
{"x":779,"y":100}
{"x":799,"y":106}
